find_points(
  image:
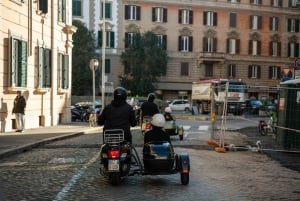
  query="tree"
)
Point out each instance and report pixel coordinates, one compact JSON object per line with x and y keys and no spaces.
{"x":144,"y":61}
{"x":83,"y":51}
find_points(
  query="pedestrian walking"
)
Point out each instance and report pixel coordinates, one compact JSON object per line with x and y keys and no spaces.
{"x":19,"y":111}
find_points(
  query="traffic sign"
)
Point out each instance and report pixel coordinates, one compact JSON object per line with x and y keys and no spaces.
{"x":297,"y":63}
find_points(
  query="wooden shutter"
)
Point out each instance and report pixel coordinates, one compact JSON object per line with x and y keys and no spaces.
{"x":107,"y":65}
{"x":22,"y":65}
{"x":47,"y":69}
{"x":165,"y":15}
{"x":215,"y":22}
{"x":249,"y":71}
{"x":127,"y":7}
{"x":138,"y":13}
{"x":179,"y":16}
{"x":215,"y":44}
{"x":191,"y":17}
{"x":258,"y":72}
{"x":179,"y":43}
{"x":258,"y":47}
{"x":164,"y":45}
{"x":153,"y":15}
{"x":227,"y":45}
{"x":205,"y":18}
{"x":238,"y":41}
{"x":65,"y":72}
{"x":100,"y":38}
{"x":190,"y":43}
{"x":112,"y":39}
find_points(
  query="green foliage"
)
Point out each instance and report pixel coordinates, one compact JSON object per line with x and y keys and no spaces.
{"x":144,"y":60}
{"x":82,"y":52}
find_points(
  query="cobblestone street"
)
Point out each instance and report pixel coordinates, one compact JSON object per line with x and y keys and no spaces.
{"x":69,"y":170}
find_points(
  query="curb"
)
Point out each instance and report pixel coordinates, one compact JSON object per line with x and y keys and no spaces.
{"x":30,"y":146}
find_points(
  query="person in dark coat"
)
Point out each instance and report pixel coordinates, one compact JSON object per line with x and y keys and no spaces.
{"x":149,"y":108}
{"x":19,"y":111}
{"x":157,"y":133}
{"x":118,"y":114}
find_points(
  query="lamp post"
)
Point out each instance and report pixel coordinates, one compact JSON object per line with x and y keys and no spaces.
{"x":93,"y":66}
{"x":103,"y":54}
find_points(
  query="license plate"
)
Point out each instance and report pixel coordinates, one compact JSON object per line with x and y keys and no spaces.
{"x":113,"y":165}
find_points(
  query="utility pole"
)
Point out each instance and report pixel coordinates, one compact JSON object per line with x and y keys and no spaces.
{"x":103,"y":55}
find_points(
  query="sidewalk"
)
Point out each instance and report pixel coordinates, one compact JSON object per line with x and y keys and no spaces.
{"x":14,"y":142}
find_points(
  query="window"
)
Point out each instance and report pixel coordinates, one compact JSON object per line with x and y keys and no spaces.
{"x":110,"y":39}
{"x":43,"y":6}
{"x":231,"y":70}
{"x":232,"y":20}
{"x":255,"y":22}
{"x":293,"y":25}
{"x":234,"y":1}
{"x":274,"y":23}
{"x":256,"y":2}
{"x":210,"y":18}
{"x":185,"y":16}
{"x":162,"y":41}
{"x":62,"y":11}
{"x":18,"y":62}
{"x":44,"y":72}
{"x":293,"y":49}
{"x":254,"y":47}
{"x":159,"y":14}
{"x":76,"y":8}
{"x":274,"y":72}
{"x":276,"y":3}
{"x":209,"y":44}
{"x":63,"y":71}
{"x":254,"y":71}
{"x":233,"y":46}
{"x":132,"y":12}
{"x":293,"y":3}
{"x":275,"y":49}
{"x":185,"y":43}
{"x":184,"y":70}
{"x":107,"y":10}
{"x":209,"y":69}
{"x":130,"y":39}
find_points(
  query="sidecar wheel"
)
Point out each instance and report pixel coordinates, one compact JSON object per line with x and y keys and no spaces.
{"x":185,"y":178}
{"x":115,"y":178}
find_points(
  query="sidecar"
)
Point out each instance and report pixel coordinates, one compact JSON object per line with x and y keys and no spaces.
{"x":159,"y":158}
{"x":172,"y":129}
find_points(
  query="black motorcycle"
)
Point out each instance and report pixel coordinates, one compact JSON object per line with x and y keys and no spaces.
{"x":120,"y":159}
{"x":115,"y":156}
{"x":81,"y":113}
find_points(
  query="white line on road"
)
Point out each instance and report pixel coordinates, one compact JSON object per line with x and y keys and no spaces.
{"x":61,"y":195}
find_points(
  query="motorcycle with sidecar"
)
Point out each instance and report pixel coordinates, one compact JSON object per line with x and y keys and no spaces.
{"x":120,"y":159}
{"x":172,"y":129}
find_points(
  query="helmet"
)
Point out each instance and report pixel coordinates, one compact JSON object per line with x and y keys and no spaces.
{"x":120,"y":94}
{"x":158,"y":120}
{"x":151,"y":97}
{"x":168,"y":110}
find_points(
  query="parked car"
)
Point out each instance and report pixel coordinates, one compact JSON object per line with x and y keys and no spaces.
{"x":253,"y":106}
{"x":180,"y":105}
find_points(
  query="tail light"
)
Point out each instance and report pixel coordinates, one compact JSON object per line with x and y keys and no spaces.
{"x":148,"y":126}
{"x":114,"y":154}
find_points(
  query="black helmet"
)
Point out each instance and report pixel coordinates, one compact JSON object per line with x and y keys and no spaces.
{"x":151,"y":97}
{"x":120,"y":94}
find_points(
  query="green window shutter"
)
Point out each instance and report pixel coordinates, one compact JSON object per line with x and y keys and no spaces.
{"x":47,"y":69}
{"x":41,"y":64}
{"x":107,"y":65}
{"x":100,"y":38}
{"x":13,"y":59}
{"x":22,"y":64}
{"x":112,"y":39}
{"x":107,"y":10}
{"x":65,"y":72}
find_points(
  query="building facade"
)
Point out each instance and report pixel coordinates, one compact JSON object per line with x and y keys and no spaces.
{"x":250,"y":40}
{"x":36,"y":48}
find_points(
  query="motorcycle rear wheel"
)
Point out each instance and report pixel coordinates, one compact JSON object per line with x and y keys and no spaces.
{"x":115,"y":178}
{"x":184,"y":178}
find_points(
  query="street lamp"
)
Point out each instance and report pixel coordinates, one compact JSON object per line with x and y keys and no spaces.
{"x":103,"y":53}
{"x":93,"y":66}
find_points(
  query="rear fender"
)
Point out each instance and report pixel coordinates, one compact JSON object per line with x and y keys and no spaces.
{"x":184,"y":163}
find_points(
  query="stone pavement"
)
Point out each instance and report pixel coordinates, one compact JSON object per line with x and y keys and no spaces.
{"x":15,"y":142}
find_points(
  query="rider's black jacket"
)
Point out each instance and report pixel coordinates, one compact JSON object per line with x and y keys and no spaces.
{"x":118,"y":115}
{"x":149,"y":108}
{"x":156,"y":134}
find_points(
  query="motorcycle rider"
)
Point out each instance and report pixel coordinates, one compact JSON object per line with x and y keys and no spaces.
{"x":149,"y":108}
{"x":168,"y":115}
{"x":118,"y":114}
{"x":157,"y":133}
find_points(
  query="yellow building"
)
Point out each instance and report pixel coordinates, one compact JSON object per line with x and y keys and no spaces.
{"x":35,"y":57}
